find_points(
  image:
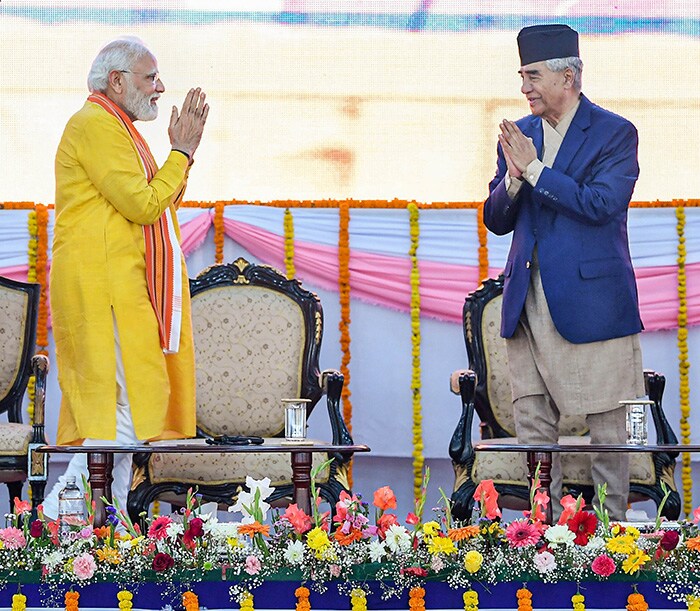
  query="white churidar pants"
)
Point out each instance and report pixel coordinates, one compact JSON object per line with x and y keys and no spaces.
{"x":121,"y":472}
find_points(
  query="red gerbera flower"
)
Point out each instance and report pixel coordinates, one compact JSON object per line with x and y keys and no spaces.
{"x":583,"y":524}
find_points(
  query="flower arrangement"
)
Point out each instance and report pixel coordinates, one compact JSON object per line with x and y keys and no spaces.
{"x":342,"y":545}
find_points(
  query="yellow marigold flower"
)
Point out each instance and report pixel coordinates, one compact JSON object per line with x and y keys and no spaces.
{"x":431,"y":528}
{"x":473,"y":561}
{"x":441,"y":545}
{"x":635,"y":561}
{"x":622,"y":544}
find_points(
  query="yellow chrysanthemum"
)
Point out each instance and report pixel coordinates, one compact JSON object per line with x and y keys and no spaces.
{"x":635,"y":561}
{"x":317,"y":539}
{"x":473,"y":561}
{"x":431,"y":528}
{"x":622,"y":544}
{"x":441,"y":545}
{"x":632,"y":532}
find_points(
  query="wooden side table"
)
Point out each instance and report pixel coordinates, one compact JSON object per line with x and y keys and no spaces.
{"x":542,"y":455}
{"x":100,"y":460}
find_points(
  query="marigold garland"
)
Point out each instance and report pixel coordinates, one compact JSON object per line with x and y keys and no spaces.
{"x":418,"y":458}
{"x":344,"y":324}
{"x":19,"y":602}
{"x":416,"y":599}
{"x":302,"y":593}
{"x":289,"y":244}
{"x":38,"y":262}
{"x":636,"y":602}
{"x":125,"y":597}
{"x":471,"y":600}
{"x":524,"y":599}
{"x":42,"y":329}
{"x":32,"y":249}
{"x":190,"y":601}
{"x":693,"y":602}
{"x":246,"y":603}
{"x":683,"y":364}
{"x":483,"y":244}
{"x":578,"y":602}
{"x":219,"y":232}
{"x":71,"y":600}
{"x":358,"y":600}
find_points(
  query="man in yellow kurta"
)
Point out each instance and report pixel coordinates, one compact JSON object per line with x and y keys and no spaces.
{"x":119,"y":289}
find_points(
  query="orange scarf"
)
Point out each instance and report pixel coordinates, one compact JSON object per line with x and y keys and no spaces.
{"x":163,"y":254}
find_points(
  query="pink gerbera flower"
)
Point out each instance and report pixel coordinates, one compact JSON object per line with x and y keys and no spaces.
{"x":159,"y":527}
{"x":521,"y":533}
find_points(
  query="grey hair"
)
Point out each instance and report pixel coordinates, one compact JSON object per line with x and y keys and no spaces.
{"x":562,"y":63}
{"x":120,"y":54}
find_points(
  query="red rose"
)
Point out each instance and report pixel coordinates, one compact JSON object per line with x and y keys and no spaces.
{"x":195,"y":527}
{"x":162,"y":562}
{"x":669,"y":541}
{"x":36,"y":529}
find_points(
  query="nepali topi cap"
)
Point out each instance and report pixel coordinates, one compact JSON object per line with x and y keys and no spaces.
{"x":538,"y":43}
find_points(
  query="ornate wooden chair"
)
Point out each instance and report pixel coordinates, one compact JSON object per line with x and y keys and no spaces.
{"x":19,"y":305}
{"x":257,"y":338}
{"x":486,"y":390}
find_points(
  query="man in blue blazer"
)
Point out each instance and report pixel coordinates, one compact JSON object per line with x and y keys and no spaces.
{"x":565,"y":176}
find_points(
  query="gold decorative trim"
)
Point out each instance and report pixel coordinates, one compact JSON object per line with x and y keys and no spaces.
{"x":319,"y":328}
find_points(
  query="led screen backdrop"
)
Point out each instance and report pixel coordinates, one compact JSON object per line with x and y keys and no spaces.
{"x":364,"y":99}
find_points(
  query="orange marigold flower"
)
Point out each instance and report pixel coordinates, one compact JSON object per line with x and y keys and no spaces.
{"x":254,"y":529}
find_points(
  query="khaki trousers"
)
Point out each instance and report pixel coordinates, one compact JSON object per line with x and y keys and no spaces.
{"x":537,"y":421}
{"x":551,"y":377}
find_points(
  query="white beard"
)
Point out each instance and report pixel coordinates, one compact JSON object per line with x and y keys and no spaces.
{"x":139,"y":105}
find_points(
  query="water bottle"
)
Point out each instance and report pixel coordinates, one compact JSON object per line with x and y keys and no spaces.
{"x":71,"y":506}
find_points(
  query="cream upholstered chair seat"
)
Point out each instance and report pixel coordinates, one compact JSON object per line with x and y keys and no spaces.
{"x":19,"y":303}
{"x":15,"y":438}
{"x":485,"y":391}
{"x":257,"y":338}
{"x":216,"y":469}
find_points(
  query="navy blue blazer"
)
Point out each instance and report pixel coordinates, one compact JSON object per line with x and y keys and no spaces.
{"x":577,"y":216}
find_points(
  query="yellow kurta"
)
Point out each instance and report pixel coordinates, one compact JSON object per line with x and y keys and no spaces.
{"x":98,"y":267}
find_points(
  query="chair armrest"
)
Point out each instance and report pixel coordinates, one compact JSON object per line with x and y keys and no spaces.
{"x":454,"y":379}
{"x":331,"y":382}
{"x":40,"y":369}
{"x":461,"y":450}
{"x":38,"y":464}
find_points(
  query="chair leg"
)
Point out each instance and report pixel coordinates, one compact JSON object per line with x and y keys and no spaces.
{"x":38,"y":493}
{"x":15,"y":490}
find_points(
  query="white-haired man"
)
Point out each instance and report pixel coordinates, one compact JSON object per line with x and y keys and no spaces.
{"x":119,"y":289}
{"x":564,"y":180}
